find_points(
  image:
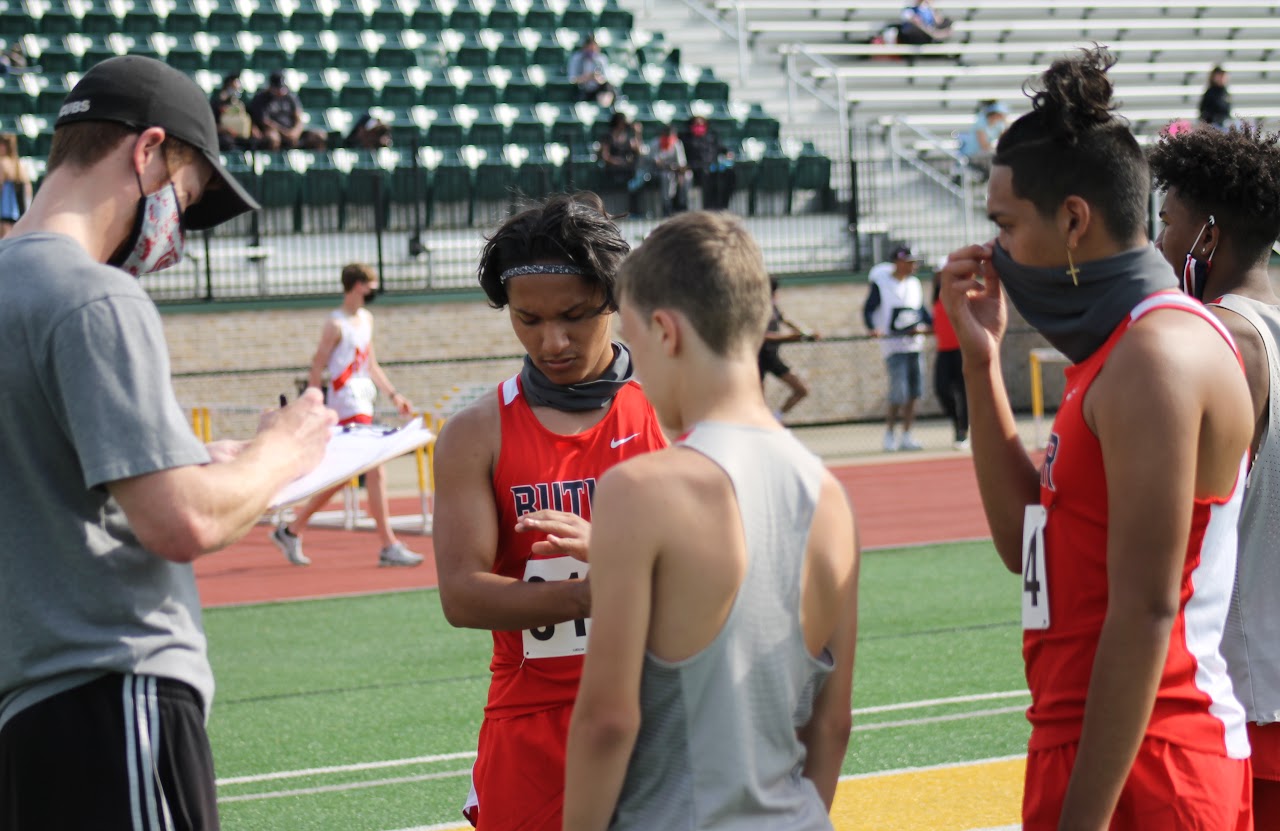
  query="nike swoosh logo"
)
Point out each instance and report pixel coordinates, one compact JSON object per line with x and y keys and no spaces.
{"x":619,"y":442}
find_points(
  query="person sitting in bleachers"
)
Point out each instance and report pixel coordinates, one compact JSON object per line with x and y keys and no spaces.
{"x":922,"y":24}
{"x":672,"y":169}
{"x":711,"y":162}
{"x":978,"y":144}
{"x":621,"y":149}
{"x":235,"y":127}
{"x":368,"y":133}
{"x":587,"y":68}
{"x":278,"y":114}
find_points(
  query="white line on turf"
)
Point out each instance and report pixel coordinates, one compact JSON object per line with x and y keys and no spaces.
{"x":912,"y":722}
{"x":345,"y":786}
{"x":932,"y":702}
{"x":294,"y":774}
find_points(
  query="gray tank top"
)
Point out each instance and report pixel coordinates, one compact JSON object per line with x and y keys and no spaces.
{"x":1249,"y":642}
{"x":717,"y":747}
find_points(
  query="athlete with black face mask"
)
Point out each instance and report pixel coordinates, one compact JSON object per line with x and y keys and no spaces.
{"x":1220,"y":217}
{"x":1125,"y":535}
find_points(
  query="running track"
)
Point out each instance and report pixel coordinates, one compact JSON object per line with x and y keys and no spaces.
{"x":897,"y":503}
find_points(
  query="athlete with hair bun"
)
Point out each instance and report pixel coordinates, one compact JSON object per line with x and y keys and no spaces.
{"x":1125,"y":536}
{"x":516,"y":474}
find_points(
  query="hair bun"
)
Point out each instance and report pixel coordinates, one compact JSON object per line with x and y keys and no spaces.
{"x":1074,"y":94}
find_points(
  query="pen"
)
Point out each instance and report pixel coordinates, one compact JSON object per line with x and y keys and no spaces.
{"x":283,"y":400}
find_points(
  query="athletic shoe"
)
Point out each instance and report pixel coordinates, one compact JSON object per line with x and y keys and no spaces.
{"x":290,"y":545}
{"x":397,"y":555}
{"x":909,"y":443}
{"x":890,"y":441}
{"x":961,"y":444}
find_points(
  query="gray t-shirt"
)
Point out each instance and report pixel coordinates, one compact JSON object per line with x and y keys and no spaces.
{"x":85,"y":399}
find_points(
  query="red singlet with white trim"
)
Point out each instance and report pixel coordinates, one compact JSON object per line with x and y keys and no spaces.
{"x":538,"y":469}
{"x":1195,"y":707}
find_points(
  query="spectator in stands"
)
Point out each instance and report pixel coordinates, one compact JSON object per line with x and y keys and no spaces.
{"x":672,"y":169}
{"x":1215,"y":104}
{"x":588,"y":68}
{"x":235,"y":127}
{"x":620,"y":151}
{"x":921,"y":24}
{"x":979,"y":143}
{"x":711,"y":163}
{"x":15,"y":186}
{"x":13,"y":61}
{"x":369,"y":133}
{"x":278,"y":114}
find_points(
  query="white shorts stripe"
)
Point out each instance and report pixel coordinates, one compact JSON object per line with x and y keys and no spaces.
{"x":153,"y":707}
{"x":131,"y":753}
{"x":142,"y":693}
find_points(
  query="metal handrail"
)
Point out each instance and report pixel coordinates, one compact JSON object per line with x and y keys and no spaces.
{"x":963,"y":192}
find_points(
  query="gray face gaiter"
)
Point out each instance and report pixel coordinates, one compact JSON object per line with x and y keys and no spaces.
{"x":1077,"y":319}
{"x":588,"y":395}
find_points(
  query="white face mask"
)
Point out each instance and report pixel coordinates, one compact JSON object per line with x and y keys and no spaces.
{"x":157,"y":238}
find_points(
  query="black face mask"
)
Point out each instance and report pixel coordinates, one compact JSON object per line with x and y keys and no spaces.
{"x":370,"y":297}
{"x":1077,"y":319}
{"x":587,"y":395}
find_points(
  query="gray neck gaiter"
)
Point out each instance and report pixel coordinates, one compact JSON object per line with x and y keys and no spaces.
{"x":588,"y":395}
{"x":1077,"y":319}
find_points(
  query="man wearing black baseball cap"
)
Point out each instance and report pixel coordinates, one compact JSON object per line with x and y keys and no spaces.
{"x":107,"y":496}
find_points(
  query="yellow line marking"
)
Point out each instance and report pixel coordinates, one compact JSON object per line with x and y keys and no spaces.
{"x":955,"y":798}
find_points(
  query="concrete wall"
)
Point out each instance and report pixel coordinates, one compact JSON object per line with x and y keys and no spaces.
{"x":243,"y":360}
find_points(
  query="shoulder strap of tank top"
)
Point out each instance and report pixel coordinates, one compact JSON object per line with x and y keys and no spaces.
{"x":1178,"y":300}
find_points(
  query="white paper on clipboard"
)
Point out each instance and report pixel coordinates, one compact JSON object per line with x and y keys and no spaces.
{"x":351,"y":451}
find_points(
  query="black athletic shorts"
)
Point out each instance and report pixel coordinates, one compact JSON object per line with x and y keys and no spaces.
{"x":771,"y":363}
{"x":122,"y":753}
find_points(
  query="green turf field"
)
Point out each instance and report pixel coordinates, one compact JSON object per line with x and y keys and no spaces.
{"x":385,"y":694}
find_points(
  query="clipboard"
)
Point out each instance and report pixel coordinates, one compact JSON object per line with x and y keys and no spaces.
{"x":352,"y":450}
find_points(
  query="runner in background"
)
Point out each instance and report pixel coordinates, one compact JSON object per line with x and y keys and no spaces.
{"x":346,"y":351}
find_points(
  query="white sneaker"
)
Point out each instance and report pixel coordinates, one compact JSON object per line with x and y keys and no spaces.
{"x":890,"y":441}
{"x":397,"y":555}
{"x":909,"y":443}
{"x":290,"y":545}
{"x":961,"y":444}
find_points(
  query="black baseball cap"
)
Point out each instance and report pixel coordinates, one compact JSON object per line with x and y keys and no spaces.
{"x":903,"y":252}
{"x":144,"y":92}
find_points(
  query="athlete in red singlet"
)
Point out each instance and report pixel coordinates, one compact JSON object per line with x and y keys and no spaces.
{"x":515,"y":475}
{"x":1125,"y":537}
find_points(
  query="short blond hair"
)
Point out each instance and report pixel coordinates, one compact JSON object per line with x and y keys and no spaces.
{"x":707,"y":266}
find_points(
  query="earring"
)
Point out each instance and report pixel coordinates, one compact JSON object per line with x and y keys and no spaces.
{"x":1072,"y":270}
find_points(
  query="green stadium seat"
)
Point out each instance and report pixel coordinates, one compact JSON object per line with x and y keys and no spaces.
{"x":771,"y":189}
{"x":270,"y":57}
{"x":487,"y":133}
{"x":529,"y":131}
{"x":585,"y":174}
{"x":266,"y":21}
{"x":511,"y":55}
{"x":408,"y":183}
{"x":541,"y":17}
{"x":450,"y":186}
{"x":522,"y":91}
{"x":571,"y":132}
{"x":227,"y":57}
{"x":710,"y":88}
{"x":444,"y":133}
{"x":579,"y":20}
{"x":184,"y":22}
{"x":58,"y":24}
{"x":473,"y":56}
{"x":551,"y":55}
{"x":142,"y":22}
{"x":357,"y":95}
{"x":637,"y":90}
{"x":388,"y":18}
{"x":367,"y":188}
{"x":59,"y":61}
{"x":466,"y":18}
{"x":672,"y":88}
{"x":439,"y":93}
{"x":427,"y":18}
{"x":315,"y":94}
{"x":311,"y":58}
{"x":503,"y":17}
{"x":352,"y":55}
{"x":347,"y":17}
{"x":323,"y":186}
{"x":307,"y":21}
{"x":399,"y":95}
{"x":14,"y":100}
{"x":758,"y":125}
{"x":615,"y":18}
{"x":224,"y":21}
{"x":100,"y":22}
{"x":481,"y":93}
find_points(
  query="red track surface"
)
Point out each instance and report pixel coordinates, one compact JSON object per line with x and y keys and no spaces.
{"x":897,"y":503}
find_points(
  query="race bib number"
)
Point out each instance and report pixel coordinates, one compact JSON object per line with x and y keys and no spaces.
{"x":560,"y":639}
{"x":1035,"y":579}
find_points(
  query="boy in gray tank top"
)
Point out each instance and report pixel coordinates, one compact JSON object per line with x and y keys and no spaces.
{"x":1221,"y":216}
{"x":717,"y":684}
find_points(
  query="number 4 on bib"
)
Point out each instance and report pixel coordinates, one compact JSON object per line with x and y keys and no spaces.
{"x":1035,"y":579}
